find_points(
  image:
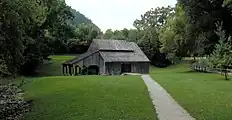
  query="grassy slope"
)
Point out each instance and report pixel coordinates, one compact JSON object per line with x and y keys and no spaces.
{"x":205,"y":96}
{"x":54,"y":68}
{"x":89,"y":98}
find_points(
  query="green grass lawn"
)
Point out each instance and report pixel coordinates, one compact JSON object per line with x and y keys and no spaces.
{"x":205,"y":96}
{"x":53,"y":67}
{"x":89,"y":98}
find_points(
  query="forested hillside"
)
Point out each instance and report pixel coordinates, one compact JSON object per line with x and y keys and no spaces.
{"x":79,"y":18}
{"x":165,"y":34}
{"x":31,"y":30}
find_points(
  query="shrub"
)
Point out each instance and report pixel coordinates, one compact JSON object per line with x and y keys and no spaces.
{"x":12,"y":104}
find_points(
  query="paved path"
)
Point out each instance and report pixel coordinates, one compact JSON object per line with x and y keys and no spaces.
{"x":166,"y":107}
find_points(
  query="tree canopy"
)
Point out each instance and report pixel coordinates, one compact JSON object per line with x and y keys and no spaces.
{"x":33,"y":29}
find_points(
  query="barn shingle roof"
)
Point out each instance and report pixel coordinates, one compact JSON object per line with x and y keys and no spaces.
{"x":114,"y":51}
{"x":136,"y":56}
{"x":123,"y":57}
{"x":121,"y":45}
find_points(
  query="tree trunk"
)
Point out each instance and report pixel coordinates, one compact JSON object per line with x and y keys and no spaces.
{"x":226,"y":76}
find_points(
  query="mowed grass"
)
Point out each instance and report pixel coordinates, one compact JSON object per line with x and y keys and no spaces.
{"x":89,"y":98}
{"x":205,"y":96}
{"x":53,"y":67}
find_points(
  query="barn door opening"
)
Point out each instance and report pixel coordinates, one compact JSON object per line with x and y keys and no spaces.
{"x":125,"y":68}
{"x":93,"y":70}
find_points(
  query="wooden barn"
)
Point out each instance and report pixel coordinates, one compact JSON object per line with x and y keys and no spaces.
{"x":110,"y":57}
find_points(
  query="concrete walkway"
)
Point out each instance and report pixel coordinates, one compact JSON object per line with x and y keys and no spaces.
{"x":166,"y":107}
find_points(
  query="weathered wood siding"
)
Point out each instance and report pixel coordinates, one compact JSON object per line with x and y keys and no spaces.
{"x":115,"y":68}
{"x":140,"y":68}
{"x":95,"y":59}
{"x":101,"y":65}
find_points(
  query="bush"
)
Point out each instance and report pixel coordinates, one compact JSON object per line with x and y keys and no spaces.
{"x":159,"y":60}
{"x":12,"y":104}
{"x":30,"y":65}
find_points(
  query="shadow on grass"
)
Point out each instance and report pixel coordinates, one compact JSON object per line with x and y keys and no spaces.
{"x":191,"y":71}
{"x":221,"y":76}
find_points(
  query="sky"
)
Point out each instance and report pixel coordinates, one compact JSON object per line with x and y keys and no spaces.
{"x":116,"y":14}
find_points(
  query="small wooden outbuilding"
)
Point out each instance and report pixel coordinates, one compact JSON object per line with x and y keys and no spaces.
{"x":111,"y":57}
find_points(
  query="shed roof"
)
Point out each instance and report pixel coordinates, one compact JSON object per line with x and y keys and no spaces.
{"x":78,"y":58}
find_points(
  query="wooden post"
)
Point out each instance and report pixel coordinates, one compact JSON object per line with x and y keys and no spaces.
{"x":75,"y":70}
{"x":79,"y":70}
{"x":70,"y":69}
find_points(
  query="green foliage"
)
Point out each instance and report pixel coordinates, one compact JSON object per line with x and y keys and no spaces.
{"x":108,"y":34}
{"x":227,"y":4}
{"x":79,"y":18}
{"x":149,"y":27}
{"x":116,"y":35}
{"x":202,"y":16}
{"x":154,"y":18}
{"x":133,"y":35}
{"x":125,"y":32}
{"x":34,"y":29}
{"x":119,"y":35}
{"x":86,"y":32}
{"x":172,"y":35}
{"x":221,"y":57}
{"x":89,"y":98}
{"x":24,"y":22}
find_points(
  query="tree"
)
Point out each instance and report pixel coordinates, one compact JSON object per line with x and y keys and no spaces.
{"x":118,"y":35}
{"x":125,"y":32}
{"x":55,"y":24}
{"x":108,"y":34}
{"x":175,"y":40}
{"x":222,"y":55}
{"x":202,"y":16}
{"x":133,"y":35}
{"x":172,"y":35}
{"x":28,"y":27}
{"x":20,"y":19}
{"x":87,"y":32}
{"x":148,"y":30}
{"x":79,"y":18}
{"x":154,"y":18}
